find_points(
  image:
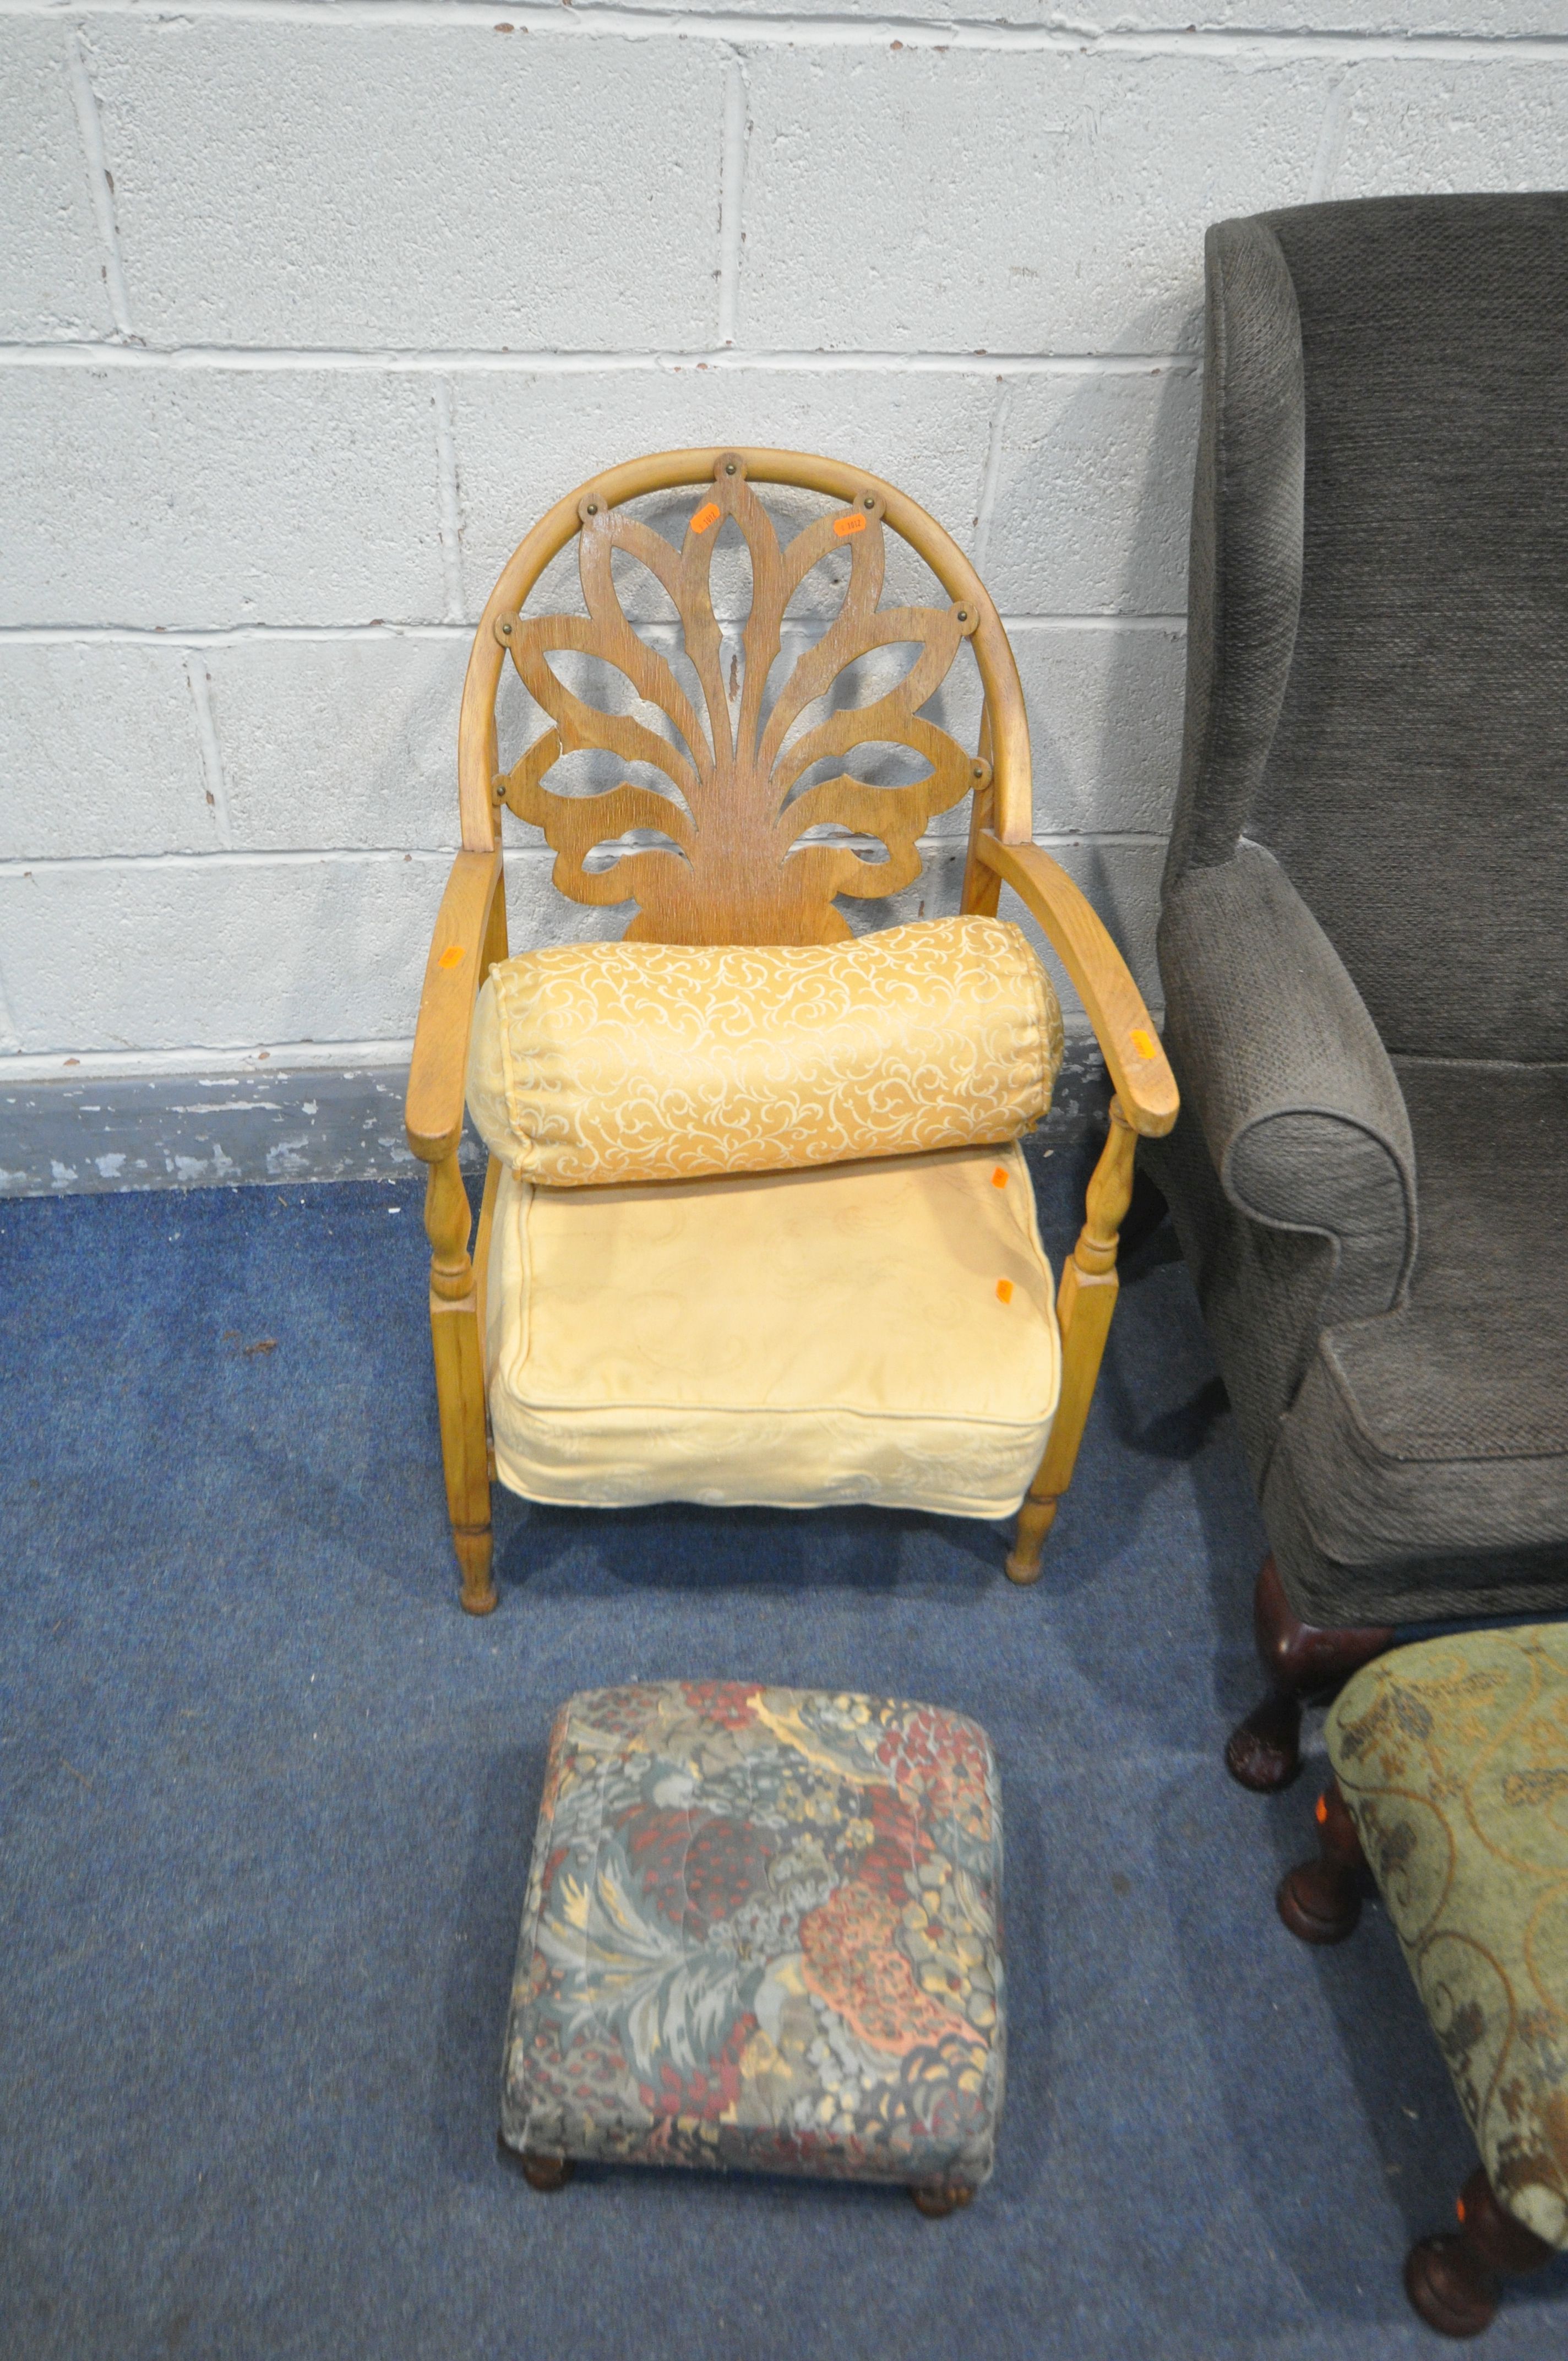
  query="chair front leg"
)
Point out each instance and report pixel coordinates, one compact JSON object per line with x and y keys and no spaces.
{"x":455,"y":1315}
{"x":1085,"y":1301}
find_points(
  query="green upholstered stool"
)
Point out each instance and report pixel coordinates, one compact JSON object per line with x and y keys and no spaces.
{"x":763,"y":1933}
{"x":1451,"y":1759}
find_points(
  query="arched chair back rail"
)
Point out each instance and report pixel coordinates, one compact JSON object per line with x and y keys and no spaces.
{"x":732,"y":866}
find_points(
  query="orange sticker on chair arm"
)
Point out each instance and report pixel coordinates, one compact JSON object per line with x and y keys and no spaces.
{"x":709,"y":513}
{"x":452,"y":956}
{"x":845,"y":526}
{"x":1144,"y":1044}
{"x":1004,"y":1290}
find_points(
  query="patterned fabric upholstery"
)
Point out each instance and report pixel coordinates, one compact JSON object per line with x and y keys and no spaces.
{"x":763,"y":1931}
{"x":603,"y":1063}
{"x":1452,"y":1757}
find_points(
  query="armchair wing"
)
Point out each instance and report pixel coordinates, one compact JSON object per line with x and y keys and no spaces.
{"x":1297,"y":1100}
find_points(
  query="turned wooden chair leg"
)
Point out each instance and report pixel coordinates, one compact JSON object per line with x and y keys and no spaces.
{"x":1085,"y":1300}
{"x":1320,"y":1900}
{"x":455,"y":1315}
{"x":1455,"y":2281}
{"x":1300,"y":1661}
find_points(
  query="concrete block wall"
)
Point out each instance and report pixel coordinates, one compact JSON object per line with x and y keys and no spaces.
{"x":309,"y":306}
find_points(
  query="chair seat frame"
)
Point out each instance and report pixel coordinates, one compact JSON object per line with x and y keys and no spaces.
{"x":470,"y":933}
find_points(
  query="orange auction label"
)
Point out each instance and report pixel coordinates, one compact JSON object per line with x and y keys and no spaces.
{"x":709,"y":513}
{"x":845,"y":526}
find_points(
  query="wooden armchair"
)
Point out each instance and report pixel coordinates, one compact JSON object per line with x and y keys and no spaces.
{"x":731,"y":866}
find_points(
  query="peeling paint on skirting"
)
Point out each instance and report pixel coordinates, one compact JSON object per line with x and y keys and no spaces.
{"x":159,"y":1131}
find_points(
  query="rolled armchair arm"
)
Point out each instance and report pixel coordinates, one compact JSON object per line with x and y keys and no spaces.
{"x":1284,"y":1072}
{"x":470,"y":932}
{"x":1122,"y":1026}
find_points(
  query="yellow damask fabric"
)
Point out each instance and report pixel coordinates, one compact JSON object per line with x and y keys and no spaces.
{"x":1452,"y":1757}
{"x":879,"y":1332}
{"x":603,"y":1063}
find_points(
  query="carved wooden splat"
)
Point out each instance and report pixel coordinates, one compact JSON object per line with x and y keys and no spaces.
{"x":738,"y":871}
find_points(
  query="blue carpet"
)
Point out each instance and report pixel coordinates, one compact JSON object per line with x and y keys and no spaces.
{"x":268,"y":1803}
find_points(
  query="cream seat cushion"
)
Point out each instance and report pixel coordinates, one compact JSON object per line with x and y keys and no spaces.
{"x":875,"y":1332}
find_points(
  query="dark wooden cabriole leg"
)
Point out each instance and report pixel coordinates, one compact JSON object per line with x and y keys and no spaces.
{"x":1456,"y":2281}
{"x":1264,"y":1752}
{"x":1320,"y":1900}
{"x":935,"y":2202}
{"x":1300,"y":1661}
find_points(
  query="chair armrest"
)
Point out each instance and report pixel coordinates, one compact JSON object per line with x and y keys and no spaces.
{"x":1284,"y":1072}
{"x":1122,"y":1026}
{"x":470,"y":932}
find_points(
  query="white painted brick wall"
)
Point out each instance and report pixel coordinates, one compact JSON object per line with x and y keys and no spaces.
{"x":338,"y":744}
{"x":306,"y":316}
{"x":100,"y":751}
{"x":392,"y":184}
{"x":51,"y":277}
{"x":1054,"y":200}
{"x":179,"y":497}
{"x":524,"y":441}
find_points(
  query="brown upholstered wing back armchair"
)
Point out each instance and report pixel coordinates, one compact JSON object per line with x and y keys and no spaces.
{"x":1363,"y":939}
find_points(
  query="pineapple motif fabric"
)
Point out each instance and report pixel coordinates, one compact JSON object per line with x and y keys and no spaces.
{"x":762,"y":1932}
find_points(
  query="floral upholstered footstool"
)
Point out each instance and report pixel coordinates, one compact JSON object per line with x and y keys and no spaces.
{"x":763,"y":1933}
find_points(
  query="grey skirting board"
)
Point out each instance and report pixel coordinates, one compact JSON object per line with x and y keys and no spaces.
{"x":226,"y":1128}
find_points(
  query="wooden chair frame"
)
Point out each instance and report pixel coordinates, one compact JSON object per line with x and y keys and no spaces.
{"x":773,"y":899}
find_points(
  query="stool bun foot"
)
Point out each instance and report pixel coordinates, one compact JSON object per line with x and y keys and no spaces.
{"x":546,"y":2172}
{"x":1450,"y":2289}
{"x":1320,"y":1900}
{"x":1455,"y":2282}
{"x":935,"y":2202}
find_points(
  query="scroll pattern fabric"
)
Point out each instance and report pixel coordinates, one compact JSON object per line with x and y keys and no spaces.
{"x":1452,"y":1757}
{"x":763,"y":1931}
{"x":598,"y":1063}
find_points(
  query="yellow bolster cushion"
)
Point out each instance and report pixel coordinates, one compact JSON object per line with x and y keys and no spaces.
{"x":610,"y":1063}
